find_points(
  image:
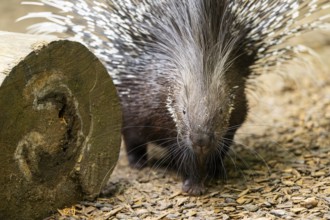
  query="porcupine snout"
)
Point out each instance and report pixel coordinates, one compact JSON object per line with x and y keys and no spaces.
{"x":202,"y":142}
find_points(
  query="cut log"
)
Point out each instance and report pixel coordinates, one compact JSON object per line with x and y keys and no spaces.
{"x":60,"y":122}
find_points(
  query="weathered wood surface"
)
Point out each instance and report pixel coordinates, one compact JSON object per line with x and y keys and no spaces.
{"x":60,"y":122}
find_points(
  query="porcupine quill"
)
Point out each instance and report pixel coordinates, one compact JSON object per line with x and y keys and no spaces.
{"x":181,"y":68}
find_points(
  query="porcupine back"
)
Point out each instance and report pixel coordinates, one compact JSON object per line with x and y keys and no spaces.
{"x":167,"y":57}
{"x":105,"y":25}
{"x":117,"y":31}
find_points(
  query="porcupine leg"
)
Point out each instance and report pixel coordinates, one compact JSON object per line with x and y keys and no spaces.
{"x":194,"y":181}
{"x":194,"y":177}
{"x":136,"y":149}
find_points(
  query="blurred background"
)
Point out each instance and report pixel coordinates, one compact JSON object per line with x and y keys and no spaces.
{"x":10,"y":10}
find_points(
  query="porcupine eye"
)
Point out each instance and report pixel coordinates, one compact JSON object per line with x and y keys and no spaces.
{"x":184,"y":112}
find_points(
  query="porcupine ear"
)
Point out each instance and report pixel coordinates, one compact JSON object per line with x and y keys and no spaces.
{"x":272,"y":23}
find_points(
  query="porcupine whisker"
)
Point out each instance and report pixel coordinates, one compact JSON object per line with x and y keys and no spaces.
{"x":164,"y":157}
{"x":111,"y":128}
{"x":258,"y":155}
{"x":210,"y":161}
{"x":233,"y":127}
{"x":102,"y":134}
{"x":213,"y":163}
{"x":190,"y":158}
{"x":235,"y":163}
{"x":251,"y":125}
{"x":233,"y":159}
{"x":148,"y":161}
{"x":165,"y":140}
{"x":141,"y":158}
{"x":268,"y":141}
{"x":172,"y":152}
{"x":178,"y":156}
{"x":255,"y":153}
{"x":105,"y":179}
{"x":159,"y":164}
{"x":223,"y":171}
{"x":228,"y":130}
{"x":183,"y":156}
{"x":146,"y":126}
{"x":223,"y":167}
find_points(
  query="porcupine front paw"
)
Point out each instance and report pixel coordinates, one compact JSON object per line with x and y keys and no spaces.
{"x":137,"y":162}
{"x":193,"y":188}
{"x":137,"y":155}
{"x":136,"y":149}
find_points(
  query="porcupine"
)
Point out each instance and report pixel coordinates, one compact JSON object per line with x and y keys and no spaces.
{"x":181,"y":68}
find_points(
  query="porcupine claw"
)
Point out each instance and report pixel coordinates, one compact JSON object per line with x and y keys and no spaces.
{"x":194,"y":184}
{"x":193,"y":188}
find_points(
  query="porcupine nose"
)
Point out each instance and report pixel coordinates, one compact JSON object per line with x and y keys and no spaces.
{"x":201,"y":142}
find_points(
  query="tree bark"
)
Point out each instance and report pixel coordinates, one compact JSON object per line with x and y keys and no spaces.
{"x":60,"y":122}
